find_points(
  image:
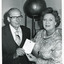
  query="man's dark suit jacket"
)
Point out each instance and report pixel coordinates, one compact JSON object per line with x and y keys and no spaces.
{"x":9,"y":46}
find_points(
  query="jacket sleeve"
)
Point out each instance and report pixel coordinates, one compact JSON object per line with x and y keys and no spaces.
{"x":7,"y":53}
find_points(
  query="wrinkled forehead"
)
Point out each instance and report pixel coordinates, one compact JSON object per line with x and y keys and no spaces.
{"x":14,"y":13}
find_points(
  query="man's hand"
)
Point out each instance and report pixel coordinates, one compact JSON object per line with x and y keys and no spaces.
{"x":20,"y":52}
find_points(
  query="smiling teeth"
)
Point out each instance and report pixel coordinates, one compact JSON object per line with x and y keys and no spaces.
{"x":47,"y":25}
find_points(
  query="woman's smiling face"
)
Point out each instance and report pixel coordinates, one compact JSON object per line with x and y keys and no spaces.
{"x":49,"y":21}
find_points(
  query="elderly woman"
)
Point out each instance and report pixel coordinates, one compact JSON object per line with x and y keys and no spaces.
{"x":48,"y":48}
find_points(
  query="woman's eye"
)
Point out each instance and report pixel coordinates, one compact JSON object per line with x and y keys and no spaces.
{"x":50,"y":19}
{"x":44,"y":19}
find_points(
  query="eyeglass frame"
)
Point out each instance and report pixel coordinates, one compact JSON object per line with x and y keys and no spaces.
{"x":12,"y":17}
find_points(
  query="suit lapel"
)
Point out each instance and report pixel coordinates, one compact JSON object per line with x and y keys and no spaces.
{"x":10,"y":37}
{"x":22,"y":37}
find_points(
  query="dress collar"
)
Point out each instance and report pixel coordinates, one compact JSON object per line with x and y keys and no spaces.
{"x":45,"y":37}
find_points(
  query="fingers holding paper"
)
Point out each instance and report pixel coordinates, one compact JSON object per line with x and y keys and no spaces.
{"x":20,"y":52}
{"x":31,"y":57}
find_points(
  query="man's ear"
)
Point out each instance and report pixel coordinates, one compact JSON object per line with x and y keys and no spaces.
{"x":8,"y":19}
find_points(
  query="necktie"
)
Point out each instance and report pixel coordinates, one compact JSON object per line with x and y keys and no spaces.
{"x":18,"y":40}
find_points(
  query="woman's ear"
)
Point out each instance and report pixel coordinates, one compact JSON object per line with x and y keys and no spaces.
{"x":8,"y":19}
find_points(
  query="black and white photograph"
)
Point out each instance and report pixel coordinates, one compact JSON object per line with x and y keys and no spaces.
{"x":31,"y":32}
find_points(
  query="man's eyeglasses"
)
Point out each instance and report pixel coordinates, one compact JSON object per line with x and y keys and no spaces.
{"x":18,"y":17}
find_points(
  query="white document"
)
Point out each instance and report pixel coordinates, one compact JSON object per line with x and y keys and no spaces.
{"x":28,"y":46}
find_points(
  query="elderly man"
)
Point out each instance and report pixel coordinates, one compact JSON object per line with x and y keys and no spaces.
{"x":13,"y":38}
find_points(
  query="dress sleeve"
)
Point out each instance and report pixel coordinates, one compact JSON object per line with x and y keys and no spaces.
{"x":38,"y":36}
{"x":37,"y":39}
{"x":57,"y":52}
{"x":55,"y":56}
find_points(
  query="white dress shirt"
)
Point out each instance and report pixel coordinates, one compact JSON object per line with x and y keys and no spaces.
{"x":13,"y":30}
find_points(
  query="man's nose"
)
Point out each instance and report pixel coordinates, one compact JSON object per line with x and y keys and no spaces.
{"x":16,"y":18}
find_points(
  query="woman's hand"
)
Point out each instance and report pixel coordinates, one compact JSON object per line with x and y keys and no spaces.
{"x":31,"y":57}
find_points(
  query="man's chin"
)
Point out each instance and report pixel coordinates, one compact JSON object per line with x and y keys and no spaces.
{"x":17,"y":25}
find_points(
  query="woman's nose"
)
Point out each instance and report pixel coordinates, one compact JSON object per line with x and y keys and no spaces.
{"x":47,"y":21}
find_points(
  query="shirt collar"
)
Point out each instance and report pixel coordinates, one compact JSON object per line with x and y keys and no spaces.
{"x":14,"y":30}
